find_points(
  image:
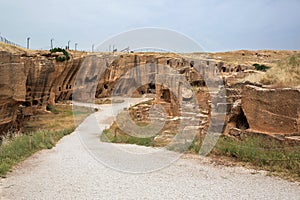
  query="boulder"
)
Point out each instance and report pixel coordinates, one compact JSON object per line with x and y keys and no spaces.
{"x":272,"y":111}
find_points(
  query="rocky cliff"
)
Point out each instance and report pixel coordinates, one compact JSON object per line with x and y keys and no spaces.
{"x":31,"y":80}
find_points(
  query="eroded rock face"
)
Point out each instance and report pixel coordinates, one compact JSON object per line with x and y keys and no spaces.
{"x":29,"y":82}
{"x":272,"y":111}
{"x":170,"y":76}
{"x":135,"y":71}
{"x":12,"y":87}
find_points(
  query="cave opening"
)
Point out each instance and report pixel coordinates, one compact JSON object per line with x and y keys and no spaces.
{"x":166,"y":95}
{"x":241,"y":121}
{"x":223,"y":69}
{"x":26,"y":104}
{"x":198,"y":83}
{"x":238,"y":69}
{"x":192,"y":64}
{"x":152,"y":88}
{"x":35,"y":102}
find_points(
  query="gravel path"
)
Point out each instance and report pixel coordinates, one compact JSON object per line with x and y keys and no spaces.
{"x":73,"y":171}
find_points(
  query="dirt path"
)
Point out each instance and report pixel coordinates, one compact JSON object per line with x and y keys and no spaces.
{"x":73,"y":171}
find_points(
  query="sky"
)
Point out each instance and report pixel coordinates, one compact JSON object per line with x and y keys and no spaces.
{"x":215,"y":25}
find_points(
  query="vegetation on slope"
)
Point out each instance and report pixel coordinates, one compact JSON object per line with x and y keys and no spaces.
{"x":43,"y":132}
{"x":12,"y":48}
{"x":61,"y":58}
{"x":22,"y":146}
{"x":264,"y":152}
{"x":285,"y":73}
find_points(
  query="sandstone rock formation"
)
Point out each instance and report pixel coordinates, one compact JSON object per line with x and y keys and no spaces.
{"x":272,"y":111}
{"x":12,"y":87}
{"x":29,"y":82}
{"x":32,"y":80}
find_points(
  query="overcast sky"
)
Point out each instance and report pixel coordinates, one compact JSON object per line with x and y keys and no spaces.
{"x":215,"y":25}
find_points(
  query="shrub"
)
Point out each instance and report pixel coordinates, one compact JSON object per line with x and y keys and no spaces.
{"x":52,"y":109}
{"x":261,"y":67}
{"x":61,"y":58}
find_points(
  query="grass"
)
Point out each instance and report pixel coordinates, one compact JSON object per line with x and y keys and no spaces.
{"x":261,"y":151}
{"x":17,"y":149}
{"x":115,"y":135}
{"x":61,"y":116}
{"x":285,"y":73}
{"x":12,"y":48}
{"x":42,"y":132}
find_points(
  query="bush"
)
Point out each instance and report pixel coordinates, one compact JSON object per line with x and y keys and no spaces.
{"x":52,"y":109}
{"x":60,"y":58}
{"x":261,"y":67}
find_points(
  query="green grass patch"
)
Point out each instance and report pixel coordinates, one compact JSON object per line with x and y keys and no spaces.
{"x":41,"y":132}
{"x":14,"y":150}
{"x":265,"y":152}
{"x":121,"y":137}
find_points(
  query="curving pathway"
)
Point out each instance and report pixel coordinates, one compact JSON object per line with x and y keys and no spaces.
{"x":81,"y":167}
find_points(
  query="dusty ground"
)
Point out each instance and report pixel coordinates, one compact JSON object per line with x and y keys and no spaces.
{"x":73,"y":170}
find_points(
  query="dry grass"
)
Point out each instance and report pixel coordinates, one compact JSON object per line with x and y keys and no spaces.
{"x":60,"y":117}
{"x":42,"y":132}
{"x":268,"y":57}
{"x":285,"y":73}
{"x":12,"y":48}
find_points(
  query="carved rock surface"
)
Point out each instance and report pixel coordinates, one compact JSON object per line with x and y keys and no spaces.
{"x":12,"y":87}
{"x":273,"y":111}
{"x":29,"y":82}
